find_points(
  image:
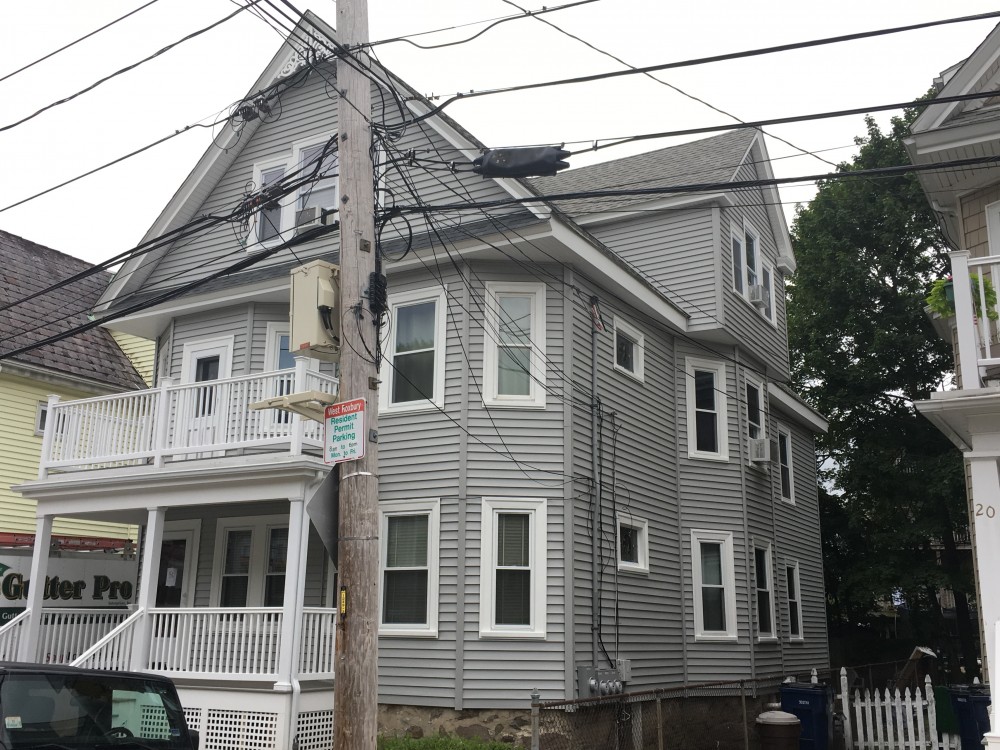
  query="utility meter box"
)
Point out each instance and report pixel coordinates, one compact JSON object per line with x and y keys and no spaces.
{"x":314,"y":318}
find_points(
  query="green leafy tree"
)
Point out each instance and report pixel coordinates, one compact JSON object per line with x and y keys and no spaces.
{"x":868,"y":250}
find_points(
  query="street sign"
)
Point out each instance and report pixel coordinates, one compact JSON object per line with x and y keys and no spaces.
{"x":345,"y":431}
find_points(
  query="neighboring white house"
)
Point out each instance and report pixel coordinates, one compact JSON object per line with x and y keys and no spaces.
{"x":967,"y":201}
{"x":703,"y":522}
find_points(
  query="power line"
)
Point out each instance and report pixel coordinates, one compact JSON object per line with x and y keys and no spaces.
{"x":703,"y":187}
{"x":660,"y":81}
{"x":705,"y":60}
{"x":65,"y":47}
{"x":126,"y":69}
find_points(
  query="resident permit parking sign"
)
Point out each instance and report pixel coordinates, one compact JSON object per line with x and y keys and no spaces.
{"x":345,"y":431}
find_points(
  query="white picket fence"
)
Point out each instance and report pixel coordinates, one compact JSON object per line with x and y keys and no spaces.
{"x":892,"y":720}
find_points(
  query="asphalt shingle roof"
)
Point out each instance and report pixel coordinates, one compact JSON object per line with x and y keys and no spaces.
{"x":710,"y":160}
{"x":27,"y":267}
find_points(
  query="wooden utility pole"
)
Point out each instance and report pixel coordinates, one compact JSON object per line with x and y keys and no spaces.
{"x":356,"y":685}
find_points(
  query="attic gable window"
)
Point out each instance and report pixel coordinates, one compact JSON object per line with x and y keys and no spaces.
{"x":313,"y":161}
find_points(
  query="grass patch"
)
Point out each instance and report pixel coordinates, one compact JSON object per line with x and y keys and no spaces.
{"x":438,"y":743}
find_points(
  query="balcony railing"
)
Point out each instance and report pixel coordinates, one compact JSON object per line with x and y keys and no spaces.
{"x":975,"y":281}
{"x":172,"y":422}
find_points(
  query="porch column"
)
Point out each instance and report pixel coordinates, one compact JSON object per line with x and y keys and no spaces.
{"x":28,"y":648}
{"x":295,"y":586}
{"x":152,"y":541}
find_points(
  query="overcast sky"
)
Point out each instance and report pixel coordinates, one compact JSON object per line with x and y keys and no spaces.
{"x":105,"y":214}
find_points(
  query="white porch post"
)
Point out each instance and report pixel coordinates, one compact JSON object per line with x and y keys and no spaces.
{"x":295,"y":573}
{"x":296,"y":426}
{"x":152,"y":541}
{"x":968,"y":349}
{"x":28,"y":650}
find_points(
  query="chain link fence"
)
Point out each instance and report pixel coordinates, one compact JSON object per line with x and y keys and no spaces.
{"x":706,"y":716}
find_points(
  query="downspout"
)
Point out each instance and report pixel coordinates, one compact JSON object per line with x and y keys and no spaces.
{"x":595,"y":602}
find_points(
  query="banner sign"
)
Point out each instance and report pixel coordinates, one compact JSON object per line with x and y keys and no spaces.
{"x":80,"y":581}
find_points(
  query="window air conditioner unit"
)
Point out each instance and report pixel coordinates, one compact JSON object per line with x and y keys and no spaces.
{"x":309,"y":218}
{"x":758,"y":295}
{"x":760,"y":450}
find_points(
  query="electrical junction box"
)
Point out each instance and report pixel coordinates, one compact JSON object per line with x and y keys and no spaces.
{"x":314,"y":317}
{"x":592,"y":683}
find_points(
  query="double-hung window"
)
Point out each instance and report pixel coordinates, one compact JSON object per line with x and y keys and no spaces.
{"x":415,"y":345}
{"x":739,"y":283}
{"x":633,"y":544}
{"x":514,"y":345}
{"x":785,"y":475}
{"x":755,"y":410}
{"x":630,"y":347}
{"x":751,"y":242}
{"x":312,"y":166}
{"x":714,"y":585}
{"x":409,"y":558}
{"x":794,"y":598}
{"x":512,"y":577}
{"x":706,"y":409}
{"x":250,"y":562}
{"x":764,"y":585}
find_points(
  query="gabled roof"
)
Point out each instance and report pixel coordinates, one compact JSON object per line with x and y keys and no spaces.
{"x":708,"y":161}
{"x":27,"y":267}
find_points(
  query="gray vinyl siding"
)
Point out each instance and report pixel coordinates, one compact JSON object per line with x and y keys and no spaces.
{"x":677,"y":250}
{"x":765,"y":340}
{"x":643,"y":465}
{"x":306,"y":114}
{"x":231,"y":321}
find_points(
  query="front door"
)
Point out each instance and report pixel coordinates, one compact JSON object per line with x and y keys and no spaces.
{"x":205,"y":404}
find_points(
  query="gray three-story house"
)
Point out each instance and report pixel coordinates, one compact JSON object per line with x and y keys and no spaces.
{"x":568,"y":387}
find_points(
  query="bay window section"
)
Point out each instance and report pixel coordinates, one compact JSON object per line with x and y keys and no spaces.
{"x":514,"y":345}
{"x":414,"y":348}
{"x":512,"y":568}
{"x":409,"y":559}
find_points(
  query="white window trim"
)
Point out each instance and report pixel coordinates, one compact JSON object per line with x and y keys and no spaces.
{"x":40,"y":409}
{"x":287,"y":209}
{"x":432,"y":509}
{"x":639,"y":349}
{"x":724,"y":538}
{"x":536,"y":396}
{"x":259,"y":526}
{"x":771,"y":635}
{"x":751,"y":382}
{"x":739,"y":272}
{"x":403,"y":299}
{"x":750,"y":229}
{"x":783,"y":431}
{"x":289,"y":203}
{"x":297,"y":148}
{"x":538,"y":525}
{"x":722,"y":410}
{"x":992,"y":211}
{"x":769,"y":288}
{"x":194,"y":350}
{"x":798,"y":592}
{"x":642,"y":526}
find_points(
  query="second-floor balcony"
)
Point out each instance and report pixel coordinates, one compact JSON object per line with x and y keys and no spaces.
{"x":176,"y":422}
{"x":977,"y":319}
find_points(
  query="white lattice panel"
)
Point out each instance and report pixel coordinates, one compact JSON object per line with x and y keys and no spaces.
{"x":315,"y":730}
{"x":192,"y":717}
{"x":153,"y":724}
{"x":246,"y":730}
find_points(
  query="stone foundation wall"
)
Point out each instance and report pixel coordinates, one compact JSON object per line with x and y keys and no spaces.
{"x":494,"y":725}
{"x":689,"y":723}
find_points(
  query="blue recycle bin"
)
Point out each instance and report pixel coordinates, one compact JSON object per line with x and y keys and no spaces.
{"x":971,"y":704}
{"x":809,"y":703}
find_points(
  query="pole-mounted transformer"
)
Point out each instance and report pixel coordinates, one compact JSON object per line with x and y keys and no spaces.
{"x":533,"y":161}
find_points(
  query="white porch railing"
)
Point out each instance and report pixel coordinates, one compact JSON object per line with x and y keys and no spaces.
{"x":113,"y":651}
{"x":177,"y":421}
{"x":316,"y":646}
{"x":67,"y":633}
{"x":217,"y":642}
{"x":10,"y":636}
{"x":887,"y":720}
{"x":978,"y":334}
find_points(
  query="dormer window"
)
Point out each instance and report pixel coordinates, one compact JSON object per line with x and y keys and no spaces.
{"x":753,"y":277}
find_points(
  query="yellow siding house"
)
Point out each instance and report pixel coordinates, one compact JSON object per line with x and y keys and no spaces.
{"x":88,"y":364}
